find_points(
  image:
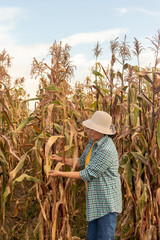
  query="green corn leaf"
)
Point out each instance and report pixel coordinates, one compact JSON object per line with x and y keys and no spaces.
{"x":136,"y":114}
{"x":145,"y":98}
{"x":140,"y":157}
{"x":19,"y":166}
{"x":144,"y":198}
{"x":135,"y":68}
{"x":128,"y":172}
{"x":52,"y":88}
{"x":96,"y":73}
{"x":7,"y":118}
{"x":24,"y":123}
{"x":2,"y":158}
{"x":27,"y":177}
{"x":32,"y":99}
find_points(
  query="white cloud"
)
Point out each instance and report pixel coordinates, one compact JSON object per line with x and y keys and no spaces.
{"x":5,"y":36}
{"x":147,"y":59}
{"x":10,"y":13}
{"x":8,"y":18}
{"x":147,"y":12}
{"x":22,"y":54}
{"x":84,"y":67}
{"x":78,"y":59}
{"x":123,"y":11}
{"x":21,"y":63}
{"x":91,"y":37}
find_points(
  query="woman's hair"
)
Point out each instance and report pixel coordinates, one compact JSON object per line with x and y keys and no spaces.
{"x":111,"y":136}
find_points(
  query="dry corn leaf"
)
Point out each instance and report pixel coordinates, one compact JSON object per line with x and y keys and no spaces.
{"x":126,"y":219}
{"x":158,"y":196}
{"x":48,"y":146}
{"x":58,"y":166}
{"x":38,"y":198}
{"x":16,"y":209}
{"x":5,"y":194}
{"x":11,"y":149}
{"x":49,"y":143}
{"x":50,"y":109}
{"x":4,"y":231}
{"x":27,"y":233}
{"x":54,"y":225}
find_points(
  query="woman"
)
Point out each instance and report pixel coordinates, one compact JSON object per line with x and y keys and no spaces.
{"x":99,"y":164}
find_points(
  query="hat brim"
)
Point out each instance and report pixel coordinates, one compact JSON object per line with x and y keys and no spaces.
{"x":91,"y":125}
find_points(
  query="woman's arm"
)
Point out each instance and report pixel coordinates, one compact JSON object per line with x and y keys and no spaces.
{"x":68,"y":161}
{"x":73,"y":175}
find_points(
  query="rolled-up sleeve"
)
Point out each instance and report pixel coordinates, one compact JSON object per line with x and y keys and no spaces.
{"x":81,"y":162}
{"x":99,"y":163}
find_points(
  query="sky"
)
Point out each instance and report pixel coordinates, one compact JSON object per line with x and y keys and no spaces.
{"x":29,"y":27}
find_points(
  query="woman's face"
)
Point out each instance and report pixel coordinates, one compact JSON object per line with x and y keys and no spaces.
{"x":94,"y":135}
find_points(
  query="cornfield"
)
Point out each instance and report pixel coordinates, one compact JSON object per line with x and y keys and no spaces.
{"x":34,"y":206}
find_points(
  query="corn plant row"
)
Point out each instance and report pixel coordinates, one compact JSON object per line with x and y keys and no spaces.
{"x":29,"y":141}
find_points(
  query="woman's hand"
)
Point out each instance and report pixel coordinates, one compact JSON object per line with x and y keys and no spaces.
{"x":54,"y":173}
{"x":56,"y":158}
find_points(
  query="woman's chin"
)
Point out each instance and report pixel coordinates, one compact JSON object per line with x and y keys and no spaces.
{"x":92,"y":138}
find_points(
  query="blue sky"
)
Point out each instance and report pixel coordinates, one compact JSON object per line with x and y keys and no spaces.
{"x":29,"y":27}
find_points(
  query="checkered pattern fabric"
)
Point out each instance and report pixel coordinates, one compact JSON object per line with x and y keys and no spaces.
{"x":102,"y":177}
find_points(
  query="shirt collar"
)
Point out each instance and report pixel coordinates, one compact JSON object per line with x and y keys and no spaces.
{"x":101,"y":140}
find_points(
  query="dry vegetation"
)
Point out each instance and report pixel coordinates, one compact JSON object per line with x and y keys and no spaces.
{"x":35,"y":207}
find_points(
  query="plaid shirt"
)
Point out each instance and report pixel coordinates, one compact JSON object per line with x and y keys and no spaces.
{"x":102,"y":177}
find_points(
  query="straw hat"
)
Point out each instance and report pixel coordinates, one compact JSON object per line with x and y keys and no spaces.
{"x":100,"y":122}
